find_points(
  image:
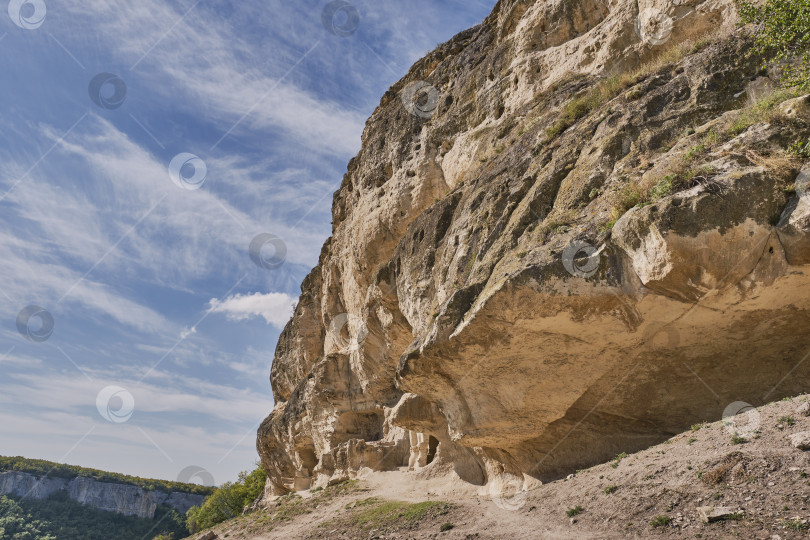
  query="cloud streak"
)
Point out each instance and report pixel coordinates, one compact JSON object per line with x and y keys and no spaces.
{"x":136,"y":270}
{"x":275,"y":308}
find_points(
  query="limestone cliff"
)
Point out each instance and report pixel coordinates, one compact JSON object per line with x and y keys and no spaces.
{"x":120,"y":498}
{"x":571,"y":231}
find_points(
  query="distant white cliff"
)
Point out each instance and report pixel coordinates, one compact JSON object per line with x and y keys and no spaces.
{"x":120,"y":498}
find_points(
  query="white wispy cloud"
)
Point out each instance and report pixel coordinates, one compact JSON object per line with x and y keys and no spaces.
{"x":187,"y":232}
{"x":206,"y":65}
{"x":275,"y":308}
{"x":75,"y":438}
{"x":27,"y":280}
{"x":100,"y":218}
{"x":64,"y":391}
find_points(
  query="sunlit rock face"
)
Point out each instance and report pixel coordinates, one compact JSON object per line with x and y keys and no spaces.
{"x":120,"y":498}
{"x":483,"y":310}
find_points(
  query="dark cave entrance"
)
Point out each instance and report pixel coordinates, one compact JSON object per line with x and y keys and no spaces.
{"x":308,"y":458}
{"x":433,"y":445}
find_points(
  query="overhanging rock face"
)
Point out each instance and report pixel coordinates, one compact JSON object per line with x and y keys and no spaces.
{"x":488,"y":307}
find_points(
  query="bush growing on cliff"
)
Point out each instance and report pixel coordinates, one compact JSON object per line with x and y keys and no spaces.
{"x":228,"y":501}
{"x":784,"y":32}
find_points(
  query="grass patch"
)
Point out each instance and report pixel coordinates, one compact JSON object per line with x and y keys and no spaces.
{"x":738,"y":439}
{"x":292,"y":505}
{"x":610,"y":490}
{"x":688,"y":171}
{"x":618,"y":459}
{"x":695,"y":152}
{"x":796,"y":525}
{"x":699,"y":45}
{"x":555,"y":224}
{"x":289,"y":507}
{"x":765,"y":110}
{"x":374,"y":513}
{"x":342,"y":488}
{"x":471,"y":261}
{"x":787,"y":420}
{"x":660,"y":522}
{"x":800,"y":149}
{"x":575,"y":511}
{"x":656,"y":188}
{"x":446,"y":527}
{"x":583,"y":104}
{"x":607,"y":227}
{"x":579,"y":107}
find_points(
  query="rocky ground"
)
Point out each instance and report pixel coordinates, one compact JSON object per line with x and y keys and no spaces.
{"x":745,"y":473}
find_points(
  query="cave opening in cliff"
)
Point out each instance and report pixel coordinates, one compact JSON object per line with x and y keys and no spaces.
{"x":366,"y":425}
{"x":308,"y":458}
{"x":433,"y":446}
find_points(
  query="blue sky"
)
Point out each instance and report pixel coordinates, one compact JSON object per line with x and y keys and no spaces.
{"x":164,"y":327}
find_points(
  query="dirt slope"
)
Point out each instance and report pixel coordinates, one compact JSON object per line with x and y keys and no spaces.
{"x":746,"y":463}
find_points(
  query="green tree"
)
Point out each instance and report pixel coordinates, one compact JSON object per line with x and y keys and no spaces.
{"x":65,"y":519}
{"x":17,"y":525}
{"x":228,"y":501}
{"x":783,"y":33}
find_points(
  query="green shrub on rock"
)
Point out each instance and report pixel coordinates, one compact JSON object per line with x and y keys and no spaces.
{"x":228,"y":501}
{"x":784,"y":32}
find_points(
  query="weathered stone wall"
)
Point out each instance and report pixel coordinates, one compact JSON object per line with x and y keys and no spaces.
{"x":120,"y":498}
{"x":476,"y":295}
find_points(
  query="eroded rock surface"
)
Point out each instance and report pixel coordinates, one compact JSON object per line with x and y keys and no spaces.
{"x":120,"y":498}
{"x":477,"y":312}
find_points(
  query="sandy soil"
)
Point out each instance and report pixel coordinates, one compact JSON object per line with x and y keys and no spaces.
{"x":653,"y":493}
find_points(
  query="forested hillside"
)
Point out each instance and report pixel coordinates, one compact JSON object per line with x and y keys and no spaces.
{"x":60,"y":518}
{"x":39,"y":468}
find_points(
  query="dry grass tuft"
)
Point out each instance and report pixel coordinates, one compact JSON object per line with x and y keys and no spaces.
{"x":785,"y":167}
{"x":583,"y":104}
